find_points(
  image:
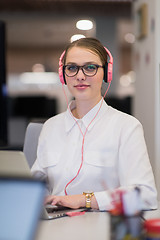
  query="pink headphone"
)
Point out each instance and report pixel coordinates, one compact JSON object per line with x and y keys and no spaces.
{"x":108,"y":68}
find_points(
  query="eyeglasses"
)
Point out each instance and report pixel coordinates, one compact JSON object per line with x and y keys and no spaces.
{"x":89,"y":69}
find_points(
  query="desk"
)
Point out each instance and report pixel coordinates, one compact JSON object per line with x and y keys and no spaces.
{"x":91,"y":225}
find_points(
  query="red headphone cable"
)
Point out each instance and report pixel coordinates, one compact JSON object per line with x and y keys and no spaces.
{"x":82,"y":151}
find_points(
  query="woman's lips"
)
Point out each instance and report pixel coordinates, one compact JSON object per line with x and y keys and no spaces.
{"x":81,"y":86}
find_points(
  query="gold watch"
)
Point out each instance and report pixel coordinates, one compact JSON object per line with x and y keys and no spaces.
{"x":88,"y":195}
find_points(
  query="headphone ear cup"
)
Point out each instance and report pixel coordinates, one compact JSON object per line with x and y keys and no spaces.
{"x":106,"y":72}
{"x":61,"y":74}
{"x":64,"y":79}
{"x":61,"y":70}
{"x":110,"y":70}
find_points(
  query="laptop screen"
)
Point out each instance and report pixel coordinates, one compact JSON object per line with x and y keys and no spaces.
{"x":21,"y":203}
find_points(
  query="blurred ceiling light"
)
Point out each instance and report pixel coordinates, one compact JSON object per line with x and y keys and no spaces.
{"x":127,"y":79}
{"x":129,"y":37}
{"x":84,"y":24}
{"x":76,"y":37}
{"x":38,"y":67}
{"x":132,"y":75}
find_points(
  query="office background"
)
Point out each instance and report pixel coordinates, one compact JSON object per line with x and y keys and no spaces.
{"x":36,"y":32}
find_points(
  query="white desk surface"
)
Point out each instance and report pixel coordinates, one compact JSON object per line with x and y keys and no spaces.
{"x":91,"y":225}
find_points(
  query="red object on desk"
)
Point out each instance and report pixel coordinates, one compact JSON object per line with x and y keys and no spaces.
{"x":152,"y":228}
{"x":152,"y":225}
{"x":117,"y":203}
{"x":72,"y":214}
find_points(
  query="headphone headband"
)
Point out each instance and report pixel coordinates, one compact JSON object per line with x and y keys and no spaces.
{"x":108,"y":68}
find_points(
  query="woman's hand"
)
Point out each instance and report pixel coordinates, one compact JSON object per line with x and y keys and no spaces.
{"x":71,"y":201}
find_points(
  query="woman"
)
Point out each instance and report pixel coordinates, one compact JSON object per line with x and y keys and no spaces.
{"x":91,"y":146}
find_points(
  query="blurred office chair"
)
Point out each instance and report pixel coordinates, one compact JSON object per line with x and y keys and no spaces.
{"x":31,"y":141}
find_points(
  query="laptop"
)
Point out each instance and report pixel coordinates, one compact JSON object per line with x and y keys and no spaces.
{"x":21,"y":201}
{"x":14,"y":163}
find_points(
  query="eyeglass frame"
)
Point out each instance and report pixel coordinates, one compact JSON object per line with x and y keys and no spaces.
{"x":81,"y":67}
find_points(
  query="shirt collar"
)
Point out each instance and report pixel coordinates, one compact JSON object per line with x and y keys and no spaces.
{"x":89,"y":119}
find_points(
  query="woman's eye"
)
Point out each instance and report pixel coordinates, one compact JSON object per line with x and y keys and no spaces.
{"x":90,"y":67}
{"x":72,"y":68}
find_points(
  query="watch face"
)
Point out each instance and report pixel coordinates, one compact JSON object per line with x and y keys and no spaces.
{"x":88,"y":195}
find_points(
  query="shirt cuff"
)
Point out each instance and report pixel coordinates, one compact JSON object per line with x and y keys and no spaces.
{"x":104,"y":200}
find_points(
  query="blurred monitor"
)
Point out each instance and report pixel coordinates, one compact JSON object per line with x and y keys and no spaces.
{"x":21,"y":201}
{"x":32,"y":106}
{"x":122,"y":104}
{"x":3,"y":94}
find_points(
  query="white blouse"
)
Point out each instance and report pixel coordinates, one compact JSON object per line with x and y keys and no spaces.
{"x":114,"y":155}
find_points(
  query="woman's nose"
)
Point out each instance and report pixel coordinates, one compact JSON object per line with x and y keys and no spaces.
{"x":80,"y":75}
